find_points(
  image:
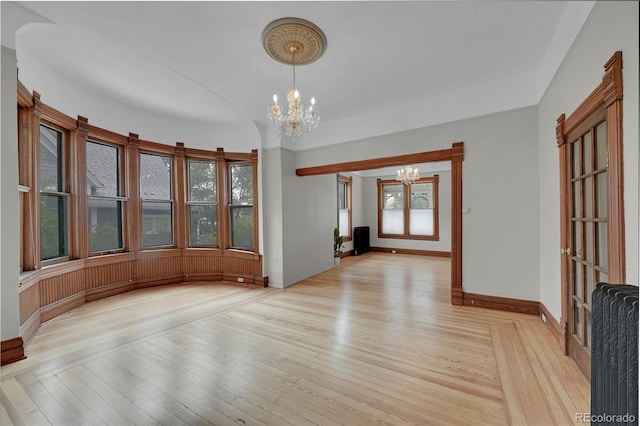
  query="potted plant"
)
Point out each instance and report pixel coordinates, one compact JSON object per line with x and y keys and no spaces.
{"x":337,"y":246}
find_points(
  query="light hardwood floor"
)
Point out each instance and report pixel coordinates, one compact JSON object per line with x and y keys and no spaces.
{"x":374,"y":341}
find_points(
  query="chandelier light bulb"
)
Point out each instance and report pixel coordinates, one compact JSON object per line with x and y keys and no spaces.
{"x":275,"y":98}
{"x":407,"y":175}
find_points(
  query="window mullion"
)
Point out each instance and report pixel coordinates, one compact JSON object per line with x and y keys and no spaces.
{"x":407,"y":205}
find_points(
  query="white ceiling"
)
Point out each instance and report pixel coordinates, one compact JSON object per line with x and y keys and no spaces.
{"x":388,"y":66}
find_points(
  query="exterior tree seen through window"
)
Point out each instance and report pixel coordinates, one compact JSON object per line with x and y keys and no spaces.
{"x":241,"y":205}
{"x":203,"y":205}
{"x":53,"y":198}
{"x":157,"y":204}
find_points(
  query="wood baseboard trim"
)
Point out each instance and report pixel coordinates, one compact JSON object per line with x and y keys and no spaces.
{"x":346,"y":253}
{"x":262,"y":281}
{"x":109,"y":290}
{"x":552,"y":324}
{"x":11,"y":350}
{"x":60,"y":307}
{"x":529,"y":307}
{"x":153,"y":282}
{"x":432,"y":253}
{"x":29,"y":328}
{"x":457,"y":296}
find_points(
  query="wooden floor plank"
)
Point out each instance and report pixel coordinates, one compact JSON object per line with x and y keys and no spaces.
{"x":523,"y":393}
{"x":374,"y":341}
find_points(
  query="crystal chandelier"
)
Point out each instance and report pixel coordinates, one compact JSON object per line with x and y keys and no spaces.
{"x":407,"y":175}
{"x":299,"y":119}
{"x":295,"y":42}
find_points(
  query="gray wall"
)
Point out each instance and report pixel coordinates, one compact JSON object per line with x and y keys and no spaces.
{"x":9,"y":207}
{"x":309,"y":217}
{"x":500,"y":175}
{"x":611,"y":26}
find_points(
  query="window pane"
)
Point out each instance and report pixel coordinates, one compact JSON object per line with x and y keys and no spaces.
{"x":602,"y":188}
{"x":242,"y":184}
{"x":422,"y":196}
{"x":393,"y":221}
{"x":343,"y":219}
{"x":242,"y":227}
{"x":603,"y":245}
{"x":203,"y":225}
{"x":393,"y":197}
{"x":53,"y":226}
{"x":342,"y":196}
{"x":50,"y":160}
{"x":157,"y":227}
{"x":601,"y":144}
{"x":103,"y":170}
{"x":155,"y":177}
{"x":202,"y":181}
{"x":105,"y":225}
{"x":421,"y":221}
{"x":576,"y":170}
{"x":588,"y":159}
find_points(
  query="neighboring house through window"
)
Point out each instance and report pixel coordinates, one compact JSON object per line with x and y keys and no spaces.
{"x":157,"y":202}
{"x":105,"y":197}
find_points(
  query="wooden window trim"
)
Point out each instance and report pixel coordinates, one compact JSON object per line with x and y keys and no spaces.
{"x":348,"y":181}
{"x":406,"y":209}
{"x":236,"y":159}
{"x":69,"y":175}
{"x":104,"y":139}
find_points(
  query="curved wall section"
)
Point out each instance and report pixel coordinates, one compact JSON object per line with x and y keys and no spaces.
{"x":141,"y":98}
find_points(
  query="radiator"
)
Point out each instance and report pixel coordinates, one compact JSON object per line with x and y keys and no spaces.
{"x":614,"y":354}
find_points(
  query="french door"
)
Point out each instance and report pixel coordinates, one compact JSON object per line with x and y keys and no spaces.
{"x":592,"y":208}
{"x":587,"y":253}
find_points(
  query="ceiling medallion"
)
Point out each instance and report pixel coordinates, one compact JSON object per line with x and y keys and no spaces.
{"x":294,"y":41}
{"x":285,"y":35}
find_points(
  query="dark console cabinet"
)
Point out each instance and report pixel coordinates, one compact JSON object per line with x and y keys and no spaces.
{"x":360,"y":240}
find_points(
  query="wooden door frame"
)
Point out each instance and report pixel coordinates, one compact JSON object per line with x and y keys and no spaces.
{"x":607,"y":95}
{"x":456,"y":155}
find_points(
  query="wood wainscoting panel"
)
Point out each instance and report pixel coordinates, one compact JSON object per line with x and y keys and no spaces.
{"x":108,"y":275}
{"x":29,"y":298}
{"x":202,"y":264}
{"x":63,"y":292}
{"x":158,"y":267}
{"x":239,"y":264}
{"x":29,"y":306}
